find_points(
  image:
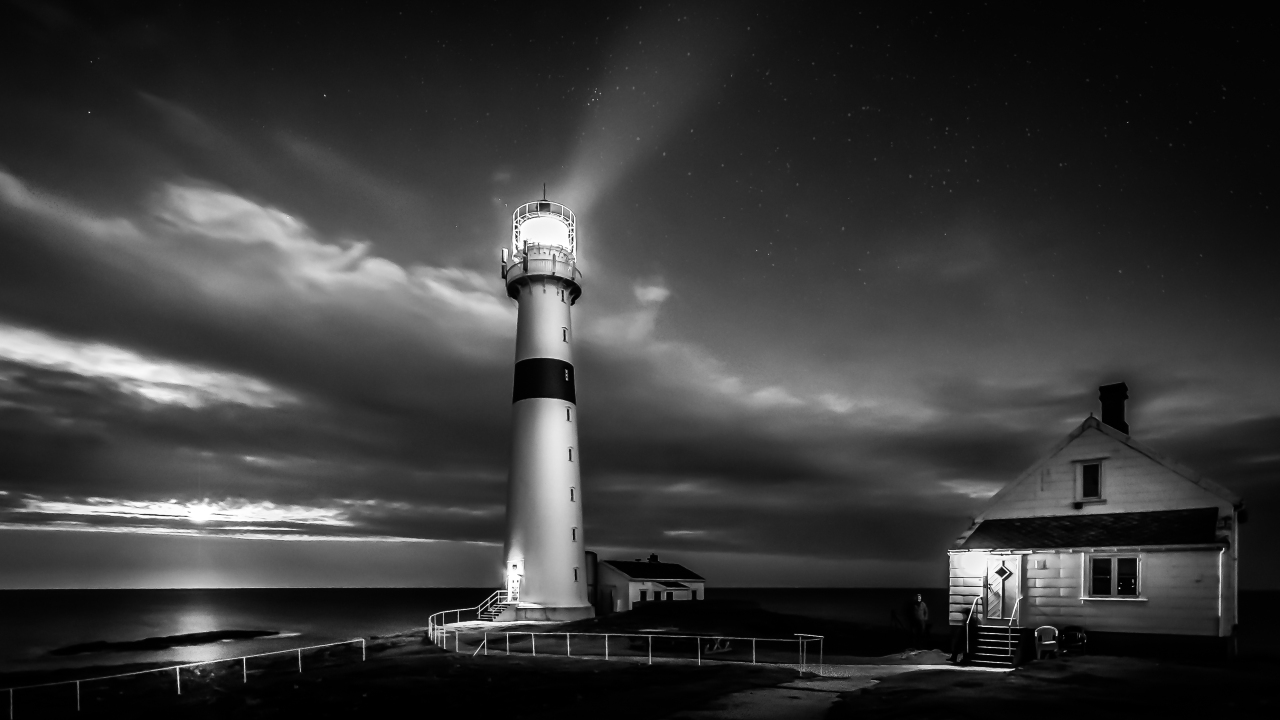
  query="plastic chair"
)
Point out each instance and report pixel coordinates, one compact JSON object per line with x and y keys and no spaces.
{"x":1046,"y":641}
{"x":1073,"y":640}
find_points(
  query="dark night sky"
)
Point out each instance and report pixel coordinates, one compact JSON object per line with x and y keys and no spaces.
{"x":845,"y":275}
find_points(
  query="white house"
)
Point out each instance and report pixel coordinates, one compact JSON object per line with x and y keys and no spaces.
{"x":623,"y":584}
{"x":1103,"y":533}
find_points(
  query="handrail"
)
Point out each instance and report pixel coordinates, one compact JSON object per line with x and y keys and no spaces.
{"x":436,"y":627}
{"x":1013,"y":615}
{"x":967,"y":642}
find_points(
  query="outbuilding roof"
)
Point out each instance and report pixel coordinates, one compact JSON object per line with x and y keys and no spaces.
{"x":1161,"y":527}
{"x":642,"y":570}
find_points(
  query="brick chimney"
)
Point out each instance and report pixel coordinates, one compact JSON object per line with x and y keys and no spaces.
{"x":1112,"y":398}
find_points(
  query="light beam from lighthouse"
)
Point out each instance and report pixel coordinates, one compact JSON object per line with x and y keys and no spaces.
{"x":545,"y":565}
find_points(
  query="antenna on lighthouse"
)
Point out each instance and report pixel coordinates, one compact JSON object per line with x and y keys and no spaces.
{"x":544,"y":191}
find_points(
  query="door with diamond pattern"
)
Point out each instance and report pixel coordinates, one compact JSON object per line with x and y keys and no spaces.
{"x":1003,"y":586}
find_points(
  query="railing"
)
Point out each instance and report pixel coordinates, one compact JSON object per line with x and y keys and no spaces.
{"x":672,"y":648}
{"x":1014,"y":614}
{"x":177,"y":670}
{"x":436,"y":622}
{"x":968,"y":650}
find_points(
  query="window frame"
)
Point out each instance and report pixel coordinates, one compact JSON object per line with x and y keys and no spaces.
{"x":1114,"y":557}
{"x":1101,"y":498}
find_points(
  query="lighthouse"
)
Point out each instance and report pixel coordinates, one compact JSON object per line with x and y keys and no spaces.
{"x":545,"y":570}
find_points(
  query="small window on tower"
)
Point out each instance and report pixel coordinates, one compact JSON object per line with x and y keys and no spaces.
{"x":572,"y":495}
{"x":566,"y":374}
{"x":568,"y":417}
{"x":575,"y":574}
{"x":573,"y":534}
{"x":570,"y":454}
{"x":564,"y":334}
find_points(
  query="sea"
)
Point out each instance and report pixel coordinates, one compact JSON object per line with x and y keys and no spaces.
{"x":34,"y":623}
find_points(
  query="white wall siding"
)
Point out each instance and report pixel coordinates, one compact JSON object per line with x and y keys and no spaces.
{"x":1178,"y":591}
{"x":1132,"y":482}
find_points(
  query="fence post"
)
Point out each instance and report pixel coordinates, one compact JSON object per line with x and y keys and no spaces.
{"x":606,"y":646}
{"x":363,"y":657}
{"x":11,"y":704}
{"x":753,"y":651}
{"x":699,"y":642}
{"x":486,"y":643}
{"x":77,"y":696}
{"x":299,"y":659}
{"x":533,"y":640}
{"x":508,"y":643}
{"x":244,"y":669}
{"x":568,"y":652}
{"x":650,"y":649}
{"x":820,"y":658}
{"x":177,"y":675}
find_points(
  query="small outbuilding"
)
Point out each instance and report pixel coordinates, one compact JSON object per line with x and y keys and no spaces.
{"x":623,"y":584}
{"x":1103,"y":534}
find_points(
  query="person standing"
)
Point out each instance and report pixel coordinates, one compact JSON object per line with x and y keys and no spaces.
{"x":919,"y":619}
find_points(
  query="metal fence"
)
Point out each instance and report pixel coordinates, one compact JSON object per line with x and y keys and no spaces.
{"x":177,"y":670}
{"x":795,"y":652}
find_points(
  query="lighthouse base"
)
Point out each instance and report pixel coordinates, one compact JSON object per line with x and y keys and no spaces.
{"x":530,"y":612}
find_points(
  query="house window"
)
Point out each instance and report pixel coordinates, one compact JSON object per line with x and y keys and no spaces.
{"x":644,"y":596}
{"x":1090,"y":481}
{"x":668,"y":596}
{"x":1113,"y":576}
{"x":1090,"y":476}
{"x":695,"y":593}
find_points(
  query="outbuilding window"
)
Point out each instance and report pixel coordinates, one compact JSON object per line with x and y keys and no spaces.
{"x":1114,"y":576}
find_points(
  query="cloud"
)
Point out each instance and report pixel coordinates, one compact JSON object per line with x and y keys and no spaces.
{"x":157,"y":380}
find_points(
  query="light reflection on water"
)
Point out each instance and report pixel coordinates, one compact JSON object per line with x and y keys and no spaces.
{"x":35,"y":622}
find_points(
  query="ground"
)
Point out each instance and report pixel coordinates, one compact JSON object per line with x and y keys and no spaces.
{"x":406,"y":674}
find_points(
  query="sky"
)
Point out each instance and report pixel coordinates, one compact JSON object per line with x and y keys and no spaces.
{"x":845,"y":275}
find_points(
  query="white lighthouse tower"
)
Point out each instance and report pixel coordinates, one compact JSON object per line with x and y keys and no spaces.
{"x":545,"y":567}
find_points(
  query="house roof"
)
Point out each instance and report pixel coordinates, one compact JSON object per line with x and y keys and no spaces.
{"x":1094,"y":423}
{"x":1161,"y":527}
{"x":644,"y":570}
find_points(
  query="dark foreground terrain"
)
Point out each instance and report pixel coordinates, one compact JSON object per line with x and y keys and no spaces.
{"x":1093,"y":687}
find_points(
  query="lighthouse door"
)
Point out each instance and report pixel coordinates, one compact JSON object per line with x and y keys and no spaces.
{"x":513,"y":584}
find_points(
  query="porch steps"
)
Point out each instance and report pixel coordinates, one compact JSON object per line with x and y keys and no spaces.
{"x":997,"y":645}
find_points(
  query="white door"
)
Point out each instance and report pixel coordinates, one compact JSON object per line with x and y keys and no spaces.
{"x":1003,"y":586}
{"x":513,"y":584}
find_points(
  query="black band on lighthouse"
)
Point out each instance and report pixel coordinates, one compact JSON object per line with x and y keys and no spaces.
{"x":544,"y":378}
